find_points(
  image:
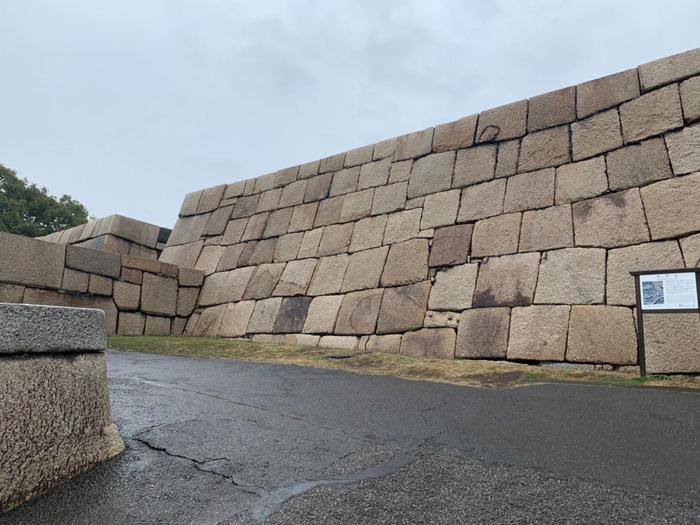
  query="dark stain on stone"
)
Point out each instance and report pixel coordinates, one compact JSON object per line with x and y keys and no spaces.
{"x":617,"y":199}
{"x":291,"y":315}
{"x":485,"y":298}
{"x":489,"y":133}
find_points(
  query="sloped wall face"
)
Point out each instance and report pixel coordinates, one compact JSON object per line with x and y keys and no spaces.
{"x":507,"y":235}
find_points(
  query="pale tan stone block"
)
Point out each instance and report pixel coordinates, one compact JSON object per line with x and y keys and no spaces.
{"x":606,"y":92}
{"x":441,"y":319}
{"x":497,"y":235}
{"x":638,"y":164}
{"x":303,"y":217}
{"x":364,"y":269}
{"x":332,"y":163}
{"x":649,"y":256}
{"x":672,"y":343}
{"x":318,"y":187}
{"x":451,"y":245}
{"x":186,"y":300}
{"x":669,"y":69}
{"x":538,"y":333}
{"x":131,"y":323}
{"x":11,"y":293}
{"x":651,"y":114}
{"x":384,"y":344}
{"x":474,"y":165}
{"x":530,"y":190}
{"x":218,"y":220}
{"x":230,"y":257}
{"x":407,"y":263}
{"x":210,"y":198}
{"x":264,"y":252}
{"x":454,"y":288}
{"x":158,"y":295}
{"x":602,"y":334}
{"x":157,"y":326}
{"x":414,"y":144}
{"x":345,"y":181}
{"x":208,"y":322}
{"x":310,"y":242}
{"x":431,"y":173}
{"x":278,"y":222}
{"x":328,"y":276}
{"x":209,"y":259}
{"x":507,"y":160}
{"x":438,"y":343}
{"x":673,"y":206}
{"x":596,"y":134}
{"x":189,"y":204}
{"x":691,"y":251}
{"x":293,"y":194}
{"x":234,"y":322}
{"x":572,"y":276}
{"x":295,"y":278}
{"x":74,"y":281}
{"x":502,"y":123}
{"x":301,"y":339}
{"x":30,"y":261}
{"x":455,"y":135}
{"x":343,"y":342}
{"x":255,"y":227}
{"x":287,"y":247}
{"x":690,"y":98}
{"x":543,"y":149}
{"x":368,"y":233}
{"x":581,"y":180}
{"x":483,"y":333}
{"x":507,"y":281}
{"x":547,"y":229}
{"x":234,"y":231}
{"x":384,"y":149}
{"x":402,"y":226}
{"x":309,"y":169}
{"x":389,"y":198}
{"x":234,"y":189}
{"x":684,"y":150}
{"x":335,"y":239}
{"x":481,"y":201}
{"x":127,"y":295}
{"x":264,"y":315}
{"x":263,"y":281}
{"x":440,"y":209}
{"x":329,"y":211}
{"x":322,"y":314}
{"x":374,"y":174}
{"x":245,"y":207}
{"x":358,"y":156}
{"x":612,"y":220}
{"x":400,"y":171}
{"x":551,"y":109}
{"x":269,"y":200}
{"x":357,"y":205}
{"x":358,"y":312}
{"x":403,"y":308}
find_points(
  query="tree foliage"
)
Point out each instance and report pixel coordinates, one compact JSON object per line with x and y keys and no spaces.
{"x":26,"y":209}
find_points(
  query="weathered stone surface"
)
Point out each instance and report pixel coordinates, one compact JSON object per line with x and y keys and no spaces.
{"x":245,"y":206}
{"x":345,"y":181}
{"x":190,"y":277}
{"x":414,"y":144}
{"x":474,"y":165}
{"x":11,"y":293}
{"x":454,"y":288}
{"x":440,"y":209}
{"x":684,"y":149}
{"x":131,"y":323}
{"x":551,"y":109}
{"x":649,"y":256}
{"x":384,"y":149}
{"x":691,"y":251}
{"x":364,"y":269}
{"x":310,"y":242}
{"x":358,"y":312}
{"x":455,"y":135}
{"x":234,"y":189}
{"x":690,"y":99}
{"x":407,"y":263}
{"x":606,"y":92}
{"x":496,"y":235}
{"x":127,"y":295}
{"x":431,"y":173}
{"x":530,"y":190}
{"x":403,"y":308}
{"x":596,"y":134}
{"x":209,"y":259}
{"x":368,"y":233}
{"x":230,"y":257}
{"x":73,"y":281}
{"x":218,"y":220}
{"x":507,"y":281}
{"x":343,"y":342}
{"x":374,"y":174}
{"x":303,"y":217}
{"x":357,"y":156}
{"x":53,"y":298}
{"x":451,"y":245}
{"x":669,"y":69}
{"x":572,"y":276}
{"x":483,"y":333}
{"x":581,"y":180}
{"x":545,"y":148}
{"x":672,"y":343}
{"x":286,"y":176}
{"x":673,"y":206}
{"x":264,"y":315}
{"x":186,"y":300}
{"x":502,"y":123}
{"x":400,"y":171}
{"x":32,"y":262}
{"x":441,"y":319}
{"x":651,"y":114}
{"x":332,"y":163}
{"x":438,"y":343}
{"x":357,"y":205}
{"x":322,"y":314}
{"x":210,"y":198}
{"x":93,"y":261}
{"x":188,"y":229}
{"x":157,"y":325}
{"x":184,"y":255}
{"x":389,"y":198}
{"x":402,"y":226}
{"x":177,"y":326}
{"x":301,"y":339}
{"x":329,"y":211}
{"x":189,"y":204}
{"x":263,"y":281}
{"x":547,"y":229}
{"x":317,"y":188}
{"x":293,"y":194}
{"x":287,"y":247}
{"x":638,"y":164}
{"x":255,"y":227}
{"x":385,"y":344}
{"x":264,"y":252}
{"x":612,"y":220}
{"x":602,"y":334}
{"x":278,"y":222}
{"x":291,"y":315}
{"x":507,"y":161}
{"x":100,"y":285}
{"x":295,"y":277}
{"x":328,"y":277}
{"x":335,"y":239}
{"x":309,"y":169}
{"x":158,"y":295}
{"x":538,"y":333}
{"x":481,"y":201}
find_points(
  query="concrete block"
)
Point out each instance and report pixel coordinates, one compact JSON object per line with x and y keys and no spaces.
{"x":368,"y":233}
{"x":502,"y":123}
{"x":295,"y":278}
{"x":638,"y":164}
{"x":581,"y":180}
{"x":684,"y":150}
{"x":538,"y":333}
{"x":551,"y":109}
{"x":507,"y":281}
{"x":389,"y":198}
{"x":322,"y":314}
{"x":483,"y":333}
{"x":374,"y":174}
{"x":474,"y":165}
{"x":357,"y":205}
{"x":73,"y":281}
{"x":544,"y":149}
{"x":291,"y":315}
{"x":402,"y":226}
{"x":234,"y":322}
{"x":186,"y":300}
{"x":335,"y":239}
{"x":669,"y":69}
{"x":596,"y":134}
{"x":651,"y":114}
{"x":481,"y":201}
{"x":407,"y":263}
{"x":612,"y":220}
{"x":317,"y":188}
{"x":672,"y":343}
{"x":303,"y":217}
{"x":384,"y":344}
{"x":451,"y":245}
{"x":345,"y":181}
{"x":127,"y":296}
{"x":431,"y":174}
{"x":414,"y":144}
{"x":157,"y":326}
{"x":328,"y":276}
{"x":602,"y":334}
{"x":263,"y":281}
{"x":358,"y":312}
{"x":264,"y":315}
{"x":31,"y":262}
{"x":131,"y":323}
{"x":403,"y":308}
{"x":158,"y":295}
{"x":437,"y":343}
{"x":454,"y":288}
{"x":496,"y":235}
{"x":455,"y":135}
{"x":507,"y":159}
{"x":364,"y":269}
{"x":530,"y":190}
{"x":690,"y":99}
{"x":606,"y":92}
{"x":547,"y":229}
{"x":572,"y":276}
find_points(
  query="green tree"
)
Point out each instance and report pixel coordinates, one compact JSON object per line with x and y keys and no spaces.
{"x":26,"y":209}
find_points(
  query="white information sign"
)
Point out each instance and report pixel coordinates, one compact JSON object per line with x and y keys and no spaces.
{"x":669,"y":291}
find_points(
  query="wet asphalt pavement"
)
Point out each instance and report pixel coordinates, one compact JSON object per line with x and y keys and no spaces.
{"x":214,"y":441}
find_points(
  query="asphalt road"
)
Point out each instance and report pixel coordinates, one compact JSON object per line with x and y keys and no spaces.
{"x":216,"y":441}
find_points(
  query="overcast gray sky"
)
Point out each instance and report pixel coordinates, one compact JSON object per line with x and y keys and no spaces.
{"x":127,"y":105}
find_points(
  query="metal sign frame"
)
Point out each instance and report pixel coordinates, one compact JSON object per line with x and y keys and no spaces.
{"x":641,"y":353}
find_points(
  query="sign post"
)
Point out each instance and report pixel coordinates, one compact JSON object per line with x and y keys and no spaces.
{"x":663,"y":292}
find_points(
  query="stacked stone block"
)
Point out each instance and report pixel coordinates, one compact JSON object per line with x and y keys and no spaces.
{"x":139,"y":296}
{"x":504,"y":235}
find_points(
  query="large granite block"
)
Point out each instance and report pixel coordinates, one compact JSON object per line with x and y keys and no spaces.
{"x":606,"y":92}
{"x":431,"y":174}
{"x":303,"y":217}
{"x":638,"y":164}
{"x":158,"y":295}
{"x":407,"y":263}
{"x":547,"y":229}
{"x":403,"y":308}
{"x":402,"y":226}
{"x":596,"y":134}
{"x":368,"y":233}
{"x":672,"y":343}
{"x":451,"y":245}
{"x":93,"y":261}
{"x":542,"y":149}
{"x":322,"y":314}
{"x":234,"y":322}
{"x":291,"y":315}
{"x":496,"y":235}
{"x":296,"y":277}
{"x":651,"y":114}
{"x":374,"y":174}
{"x":31,"y":262}
{"x":438,"y":343}
{"x":440,"y":209}
{"x":127,"y":296}
{"x":502,"y":123}
{"x":474,"y":165}
{"x":572,"y":276}
{"x":507,"y":281}
{"x":317,"y":188}
{"x":530,"y":190}
{"x":345,"y":181}
{"x":328,"y":276}
{"x":357,"y":205}
{"x":413,"y":144}
{"x":264,"y":316}
{"x":263,"y":281}
{"x":538,"y":333}
{"x":602,"y":334}
{"x":358,"y":312}
{"x":335,"y":239}
{"x":684,"y":149}
{"x":483,"y":333}
{"x":551,"y":109}
{"x":453,"y":288}
{"x":389,"y":198}
{"x":364,"y":269}
{"x":481,"y":201}
{"x":455,"y":135}
{"x":673,"y":206}
{"x":669,"y":69}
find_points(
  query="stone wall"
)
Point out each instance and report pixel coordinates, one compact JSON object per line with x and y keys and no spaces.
{"x":138,"y":296}
{"x":505,"y":235}
{"x":116,"y":234}
{"x":55,"y":417}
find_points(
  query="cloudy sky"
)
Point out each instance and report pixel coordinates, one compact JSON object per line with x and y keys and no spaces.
{"x":129,"y":104}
